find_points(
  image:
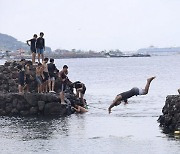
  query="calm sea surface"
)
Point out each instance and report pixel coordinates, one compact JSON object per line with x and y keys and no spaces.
{"x":129,"y":129}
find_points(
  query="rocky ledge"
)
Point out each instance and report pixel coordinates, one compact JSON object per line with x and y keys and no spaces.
{"x":170,"y":120}
{"x":32,"y":104}
{"x":12,"y":103}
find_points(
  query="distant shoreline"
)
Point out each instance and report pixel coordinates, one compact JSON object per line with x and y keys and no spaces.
{"x":77,"y":56}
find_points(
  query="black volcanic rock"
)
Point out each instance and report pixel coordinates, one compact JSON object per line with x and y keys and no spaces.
{"x":12,"y":103}
{"x":170,"y":120}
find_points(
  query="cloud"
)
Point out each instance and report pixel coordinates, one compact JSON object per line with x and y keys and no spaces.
{"x":93,"y":24}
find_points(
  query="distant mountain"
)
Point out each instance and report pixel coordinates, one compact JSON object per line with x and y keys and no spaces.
{"x":10,"y":43}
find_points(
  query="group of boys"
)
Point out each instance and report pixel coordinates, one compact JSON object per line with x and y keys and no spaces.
{"x":45,"y":76}
{"x":46,"y":73}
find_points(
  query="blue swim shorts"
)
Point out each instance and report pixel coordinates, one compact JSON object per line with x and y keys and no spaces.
{"x":40,"y":51}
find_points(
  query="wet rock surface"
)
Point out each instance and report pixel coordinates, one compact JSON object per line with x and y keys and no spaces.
{"x":18,"y":104}
{"x":170,"y":120}
{"x":12,"y":103}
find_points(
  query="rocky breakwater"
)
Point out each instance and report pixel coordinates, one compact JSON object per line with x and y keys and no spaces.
{"x":170,"y":120}
{"x":12,"y":103}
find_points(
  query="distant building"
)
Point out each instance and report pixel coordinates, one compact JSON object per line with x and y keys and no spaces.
{"x":159,"y":51}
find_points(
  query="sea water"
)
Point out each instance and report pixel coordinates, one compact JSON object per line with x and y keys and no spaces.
{"x":129,"y":129}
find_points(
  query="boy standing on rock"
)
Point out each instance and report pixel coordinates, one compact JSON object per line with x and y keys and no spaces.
{"x":128,"y":94}
{"x":52,"y":70}
{"x":39,"y":77}
{"x":21,"y":75}
{"x":33,"y":47}
{"x":28,"y":76}
{"x":64,"y":80}
{"x":46,"y":75}
{"x":40,"y":45}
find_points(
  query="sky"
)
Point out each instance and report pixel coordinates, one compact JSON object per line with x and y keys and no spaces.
{"x":94,"y":24}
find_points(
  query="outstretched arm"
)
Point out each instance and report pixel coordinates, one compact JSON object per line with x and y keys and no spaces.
{"x":111,"y":106}
{"x":116,"y":102}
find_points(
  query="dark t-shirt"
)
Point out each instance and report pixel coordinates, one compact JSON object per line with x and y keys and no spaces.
{"x":21,"y":70}
{"x":33,"y":44}
{"x":51,"y":69}
{"x":40,"y":44}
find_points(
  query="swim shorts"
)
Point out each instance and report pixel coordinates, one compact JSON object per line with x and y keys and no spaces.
{"x":40,"y":51}
{"x":141,"y":91}
{"x":39,"y":80}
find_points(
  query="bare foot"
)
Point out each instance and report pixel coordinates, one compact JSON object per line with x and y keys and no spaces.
{"x":21,"y":93}
{"x":150,"y":79}
{"x":63,"y":103}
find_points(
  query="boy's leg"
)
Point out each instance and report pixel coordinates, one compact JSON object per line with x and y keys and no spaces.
{"x":62,"y":94}
{"x":33,"y":58}
{"x":62,"y":97}
{"x":46,"y":85}
{"x":146,"y":89}
{"x":38,"y":52}
{"x":20,"y":88}
{"x":38,"y":57}
{"x":53,"y":83}
{"x":41,"y":88}
{"x":49,"y":83}
{"x":42,"y":56}
{"x":38,"y":88}
{"x":27,"y":88}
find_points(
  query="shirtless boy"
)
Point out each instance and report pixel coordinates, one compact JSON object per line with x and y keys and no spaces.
{"x":39,"y":77}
